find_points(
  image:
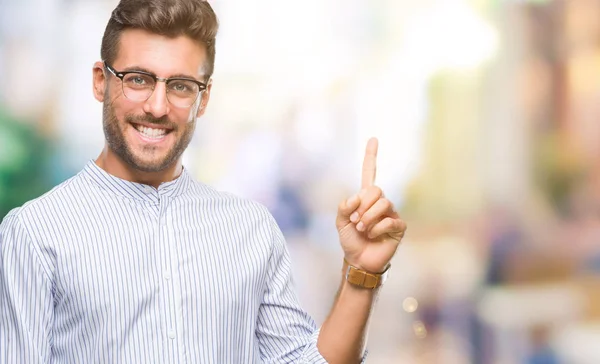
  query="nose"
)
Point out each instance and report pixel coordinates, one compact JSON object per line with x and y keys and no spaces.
{"x":157,"y":104}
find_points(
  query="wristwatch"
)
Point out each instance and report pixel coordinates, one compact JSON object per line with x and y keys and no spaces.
{"x":362,"y":278}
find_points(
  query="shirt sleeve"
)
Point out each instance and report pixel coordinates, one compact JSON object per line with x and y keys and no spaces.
{"x":286,"y":333}
{"x":26,"y":298}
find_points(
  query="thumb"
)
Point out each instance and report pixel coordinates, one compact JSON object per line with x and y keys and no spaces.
{"x":345,"y":209}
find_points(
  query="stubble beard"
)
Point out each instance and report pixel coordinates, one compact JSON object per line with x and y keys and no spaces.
{"x":116,"y":141}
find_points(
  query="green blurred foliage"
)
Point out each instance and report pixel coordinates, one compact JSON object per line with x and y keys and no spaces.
{"x":25,"y":157}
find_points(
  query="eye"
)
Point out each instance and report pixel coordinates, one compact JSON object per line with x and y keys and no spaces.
{"x":138,"y":80}
{"x":183,"y":87}
{"x":180,"y":87}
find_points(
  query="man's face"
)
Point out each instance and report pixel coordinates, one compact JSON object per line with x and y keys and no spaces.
{"x":151,"y":135}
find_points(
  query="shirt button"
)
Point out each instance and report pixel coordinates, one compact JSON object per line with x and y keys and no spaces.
{"x":167,"y":276}
{"x":148,"y":189}
{"x":171,"y":334}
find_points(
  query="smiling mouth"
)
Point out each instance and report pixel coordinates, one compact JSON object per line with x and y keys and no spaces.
{"x":151,"y":133}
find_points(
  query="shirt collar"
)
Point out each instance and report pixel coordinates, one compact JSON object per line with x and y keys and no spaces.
{"x":134,"y":190}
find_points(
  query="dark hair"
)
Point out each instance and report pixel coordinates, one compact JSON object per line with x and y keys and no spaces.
{"x":193,"y":18}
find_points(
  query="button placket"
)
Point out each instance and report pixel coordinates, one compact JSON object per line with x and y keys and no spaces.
{"x":165,"y":264}
{"x":174,"y":283}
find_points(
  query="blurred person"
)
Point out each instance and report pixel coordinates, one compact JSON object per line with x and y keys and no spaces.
{"x":132,"y":260}
{"x":542,"y":351}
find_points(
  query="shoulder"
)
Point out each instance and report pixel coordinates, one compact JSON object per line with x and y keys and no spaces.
{"x":26,"y":232}
{"x":52,"y":205}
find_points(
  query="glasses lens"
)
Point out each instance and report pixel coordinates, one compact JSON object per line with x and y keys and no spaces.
{"x":138,"y":86}
{"x":182,"y":93}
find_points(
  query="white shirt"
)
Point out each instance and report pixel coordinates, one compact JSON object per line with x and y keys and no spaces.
{"x":102,"y":270}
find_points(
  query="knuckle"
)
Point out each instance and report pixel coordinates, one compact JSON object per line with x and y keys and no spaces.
{"x":387,"y":204}
{"x":377,"y":191}
{"x":391,"y":223}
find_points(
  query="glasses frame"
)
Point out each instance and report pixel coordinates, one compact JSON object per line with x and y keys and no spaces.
{"x":120,"y":75}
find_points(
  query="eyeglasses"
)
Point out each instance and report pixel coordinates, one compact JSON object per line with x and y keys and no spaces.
{"x":138,"y":86}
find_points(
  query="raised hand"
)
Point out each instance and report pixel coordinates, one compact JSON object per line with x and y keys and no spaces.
{"x":369,"y":227}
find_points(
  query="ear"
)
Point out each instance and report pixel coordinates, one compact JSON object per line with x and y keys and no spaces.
{"x":204,"y":100}
{"x":99,"y":81}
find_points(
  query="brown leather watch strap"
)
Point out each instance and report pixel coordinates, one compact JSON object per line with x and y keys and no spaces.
{"x":361,"y":278}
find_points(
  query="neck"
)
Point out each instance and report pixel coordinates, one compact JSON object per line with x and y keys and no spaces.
{"x":115,"y":166}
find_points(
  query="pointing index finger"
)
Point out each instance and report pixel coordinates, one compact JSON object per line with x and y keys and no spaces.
{"x":369,"y":168}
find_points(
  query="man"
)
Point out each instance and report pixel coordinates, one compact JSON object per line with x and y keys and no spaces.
{"x":133,"y":261}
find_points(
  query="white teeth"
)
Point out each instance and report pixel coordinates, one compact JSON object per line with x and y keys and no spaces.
{"x":151,"y":132}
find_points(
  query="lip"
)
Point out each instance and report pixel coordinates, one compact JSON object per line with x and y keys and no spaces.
{"x":152,"y":126}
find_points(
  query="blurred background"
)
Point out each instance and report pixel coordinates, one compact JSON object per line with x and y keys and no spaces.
{"x":489,"y":144}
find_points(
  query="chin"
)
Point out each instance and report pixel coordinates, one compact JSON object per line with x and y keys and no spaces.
{"x":144,"y":164}
{"x":151,"y":166}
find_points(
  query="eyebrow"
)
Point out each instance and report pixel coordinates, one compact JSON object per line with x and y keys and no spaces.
{"x":178,"y":75}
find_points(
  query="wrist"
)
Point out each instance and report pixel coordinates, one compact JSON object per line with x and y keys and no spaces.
{"x":362,"y":278}
{"x":371,"y":269}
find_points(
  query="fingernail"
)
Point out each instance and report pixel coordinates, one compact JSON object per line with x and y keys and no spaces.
{"x":360,"y":226}
{"x":354,"y":217}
